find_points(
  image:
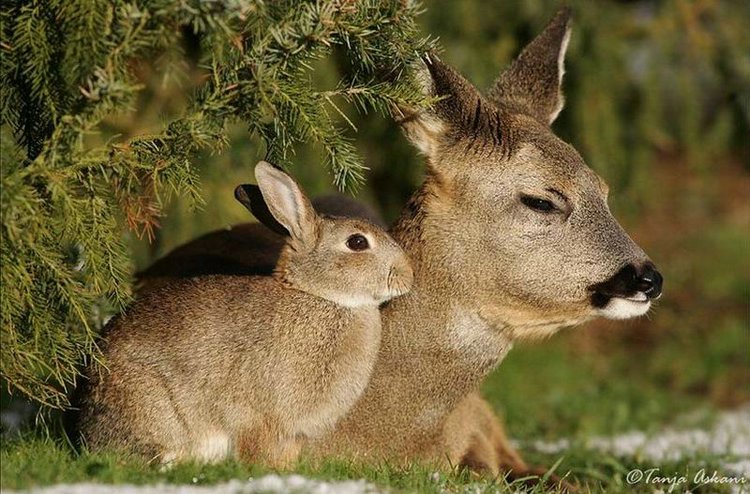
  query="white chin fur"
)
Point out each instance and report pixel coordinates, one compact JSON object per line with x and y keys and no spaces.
{"x":620,"y":308}
{"x":353,"y":301}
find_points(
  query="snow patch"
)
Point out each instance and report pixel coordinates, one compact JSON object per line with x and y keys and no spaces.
{"x":728,"y":438}
{"x":269,"y":484}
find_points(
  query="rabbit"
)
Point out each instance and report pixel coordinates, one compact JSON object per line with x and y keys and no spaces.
{"x":220,"y":366}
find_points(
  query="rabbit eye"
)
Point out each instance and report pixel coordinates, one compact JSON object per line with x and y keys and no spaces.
{"x":357,"y":242}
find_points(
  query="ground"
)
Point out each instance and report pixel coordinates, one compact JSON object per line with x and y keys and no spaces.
{"x":593,"y":411}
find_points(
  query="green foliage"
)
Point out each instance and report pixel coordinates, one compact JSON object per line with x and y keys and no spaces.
{"x":73,"y":177}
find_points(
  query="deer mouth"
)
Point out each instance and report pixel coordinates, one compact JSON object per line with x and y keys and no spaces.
{"x":621,"y":306}
{"x":628,"y":293}
{"x":600,"y":299}
{"x":638,"y":298}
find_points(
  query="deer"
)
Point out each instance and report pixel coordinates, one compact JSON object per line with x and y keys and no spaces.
{"x":510,"y":238}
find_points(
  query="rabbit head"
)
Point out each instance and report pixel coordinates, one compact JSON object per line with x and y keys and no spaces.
{"x":348,"y":261}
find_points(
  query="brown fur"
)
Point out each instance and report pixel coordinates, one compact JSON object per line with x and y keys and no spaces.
{"x":489,"y":270}
{"x":208,"y":367}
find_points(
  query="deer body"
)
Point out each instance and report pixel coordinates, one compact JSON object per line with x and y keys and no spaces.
{"x":420,"y":383}
{"x":511,"y":238}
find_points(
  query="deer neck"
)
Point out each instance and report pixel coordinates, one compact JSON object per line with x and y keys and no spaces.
{"x":435,"y":350}
{"x":437,"y":331}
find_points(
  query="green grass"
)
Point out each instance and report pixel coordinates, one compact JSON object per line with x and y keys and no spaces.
{"x":553,"y":389}
{"x":550,"y":390}
{"x":29,"y":462}
{"x":26,"y":462}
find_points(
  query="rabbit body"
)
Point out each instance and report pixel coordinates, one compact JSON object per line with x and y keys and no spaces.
{"x":203,"y":378}
{"x":250,"y":366}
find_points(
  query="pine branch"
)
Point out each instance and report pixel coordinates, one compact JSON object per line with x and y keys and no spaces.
{"x":71,"y":188}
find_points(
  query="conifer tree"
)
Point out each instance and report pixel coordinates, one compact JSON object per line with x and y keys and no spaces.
{"x":70,"y":188}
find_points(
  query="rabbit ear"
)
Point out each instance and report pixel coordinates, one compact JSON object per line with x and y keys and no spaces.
{"x":286,"y":203}
{"x":250,"y":197}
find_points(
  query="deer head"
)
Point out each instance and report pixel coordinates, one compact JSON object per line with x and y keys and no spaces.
{"x":515,"y":219}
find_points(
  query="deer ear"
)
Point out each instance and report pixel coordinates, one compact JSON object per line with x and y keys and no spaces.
{"x":249,"y":196}
{"x":532,"y":83}
{"x":457,"y":104}
{"x":281,"y":205}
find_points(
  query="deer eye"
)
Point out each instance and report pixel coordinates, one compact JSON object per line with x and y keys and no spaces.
{"x":537,"y":204}
{"x":357,"y":242}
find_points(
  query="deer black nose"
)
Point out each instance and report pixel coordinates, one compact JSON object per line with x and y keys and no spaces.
{"x":650,"y":281}
{"x":628,"y":282}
